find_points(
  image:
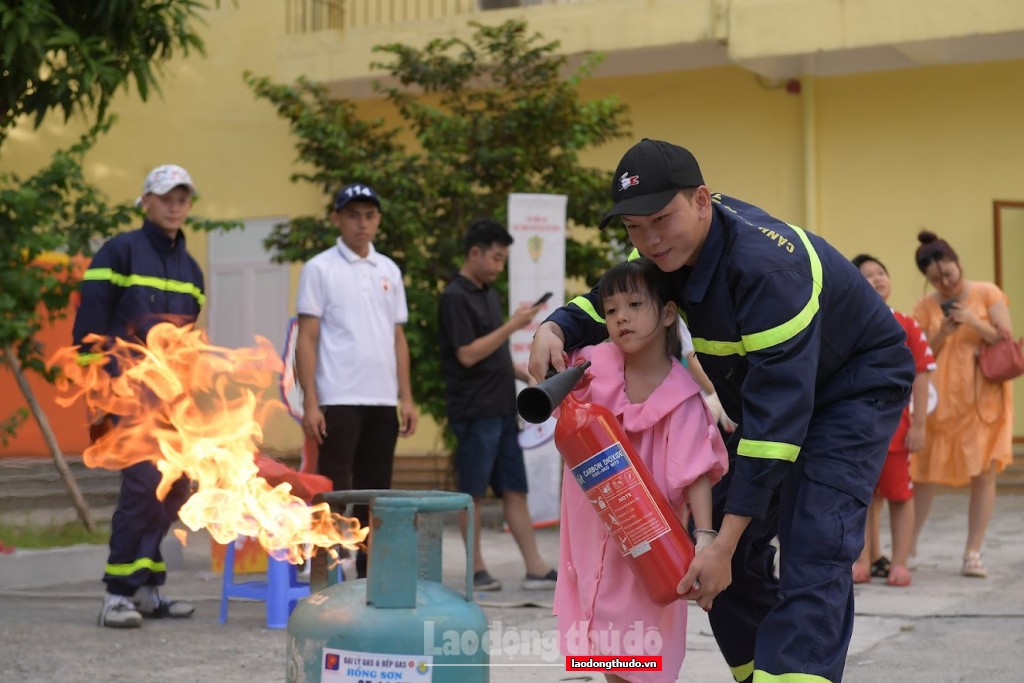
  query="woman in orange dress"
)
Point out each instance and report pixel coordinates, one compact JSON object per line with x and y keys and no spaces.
{"x":969,"y":434}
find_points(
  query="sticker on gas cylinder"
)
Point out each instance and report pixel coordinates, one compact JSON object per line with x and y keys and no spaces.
{"x":621,"y":500}
{"x":346,"y":666}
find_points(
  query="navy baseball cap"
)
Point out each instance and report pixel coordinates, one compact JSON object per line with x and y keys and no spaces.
{"x":649,"y":176}
{"x":355,"y":192}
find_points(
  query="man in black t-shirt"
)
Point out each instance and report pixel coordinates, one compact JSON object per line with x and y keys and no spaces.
{"x":481,"y":397}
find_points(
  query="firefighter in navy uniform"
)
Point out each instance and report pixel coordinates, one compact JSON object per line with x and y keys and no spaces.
{"x":136,"y":280}
{"x":809,"y":361}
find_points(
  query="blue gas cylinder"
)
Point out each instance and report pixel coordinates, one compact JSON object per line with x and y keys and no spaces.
{"x":399,"y":624}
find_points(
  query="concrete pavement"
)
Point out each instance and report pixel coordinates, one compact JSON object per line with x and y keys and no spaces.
{"x":944,"y":627}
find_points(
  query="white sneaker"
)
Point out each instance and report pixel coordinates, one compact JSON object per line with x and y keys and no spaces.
{"x":119,"y":612}
{"x":152,"y":605}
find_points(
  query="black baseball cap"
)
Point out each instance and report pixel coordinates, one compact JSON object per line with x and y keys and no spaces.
{"x":356,"y":192}
{"x":649,"y":176}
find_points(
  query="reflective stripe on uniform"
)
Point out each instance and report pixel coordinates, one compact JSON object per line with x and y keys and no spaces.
{"x":769,"y":450}
{"x":718,"y":348}
{"x":141,"y":563}
{"x":742,"y":672}
{"x":799,"y":322}
{"x":779,"y":334}
{"x":107,"y":274}
{"x":583,"y":303}
{"x":765,"y":677}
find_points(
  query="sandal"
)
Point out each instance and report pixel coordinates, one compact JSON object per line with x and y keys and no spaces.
{"x":973,"y":565}
{"x":861,"y":574}
{"x":880,"y":567}
{"x":899,"y":575}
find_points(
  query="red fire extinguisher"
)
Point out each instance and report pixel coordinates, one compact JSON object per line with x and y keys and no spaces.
{"x":619,"y":486}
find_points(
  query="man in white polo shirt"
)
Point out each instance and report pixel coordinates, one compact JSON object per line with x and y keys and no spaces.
{"x":352,"y":356}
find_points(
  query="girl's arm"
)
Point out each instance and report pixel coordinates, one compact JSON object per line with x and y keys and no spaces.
{"x":708,"y":392}
{"x":699,"y":495}
{"x":697,"y":372}
{"x":919,"y":415}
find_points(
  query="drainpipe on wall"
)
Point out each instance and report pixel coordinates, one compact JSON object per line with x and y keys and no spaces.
{"x":810,"y":139}
{"x":719,"y":19}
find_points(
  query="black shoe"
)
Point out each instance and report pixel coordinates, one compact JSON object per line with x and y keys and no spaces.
{"x":880,"y":567}
{"x":533,"y":582}
{"x":483,"y":581}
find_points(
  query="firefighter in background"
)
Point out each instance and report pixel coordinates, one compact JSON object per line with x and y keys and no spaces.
{"x":136,"y":280}
{"x":809,"y":361}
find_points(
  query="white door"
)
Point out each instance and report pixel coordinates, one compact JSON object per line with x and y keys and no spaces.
{"x":248,"y":295}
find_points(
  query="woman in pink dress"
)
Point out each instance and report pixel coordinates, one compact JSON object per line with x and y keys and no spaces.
{"x":601,"y":607}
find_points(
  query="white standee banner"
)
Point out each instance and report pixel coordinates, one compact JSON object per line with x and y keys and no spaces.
{"x":536,"y":265}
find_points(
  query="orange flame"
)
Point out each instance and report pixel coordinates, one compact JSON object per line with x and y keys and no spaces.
{"x":193,"y":409}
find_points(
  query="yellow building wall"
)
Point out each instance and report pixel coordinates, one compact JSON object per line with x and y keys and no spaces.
{"x":746,"y":135}
{"x":890,"y":152}
{"x":238,"y":151}
{"x":928,"y":148}
{"x":893,"y":151}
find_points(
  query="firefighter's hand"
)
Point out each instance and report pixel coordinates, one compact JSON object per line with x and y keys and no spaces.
{"x":710,"y":573}
{"x":313,"y":422}
{"x":546,"y":350}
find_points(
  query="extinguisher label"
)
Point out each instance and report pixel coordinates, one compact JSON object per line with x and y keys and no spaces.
{"x":621,"y":500}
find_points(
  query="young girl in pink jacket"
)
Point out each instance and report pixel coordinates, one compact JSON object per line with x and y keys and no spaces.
{"x":601,"y":607}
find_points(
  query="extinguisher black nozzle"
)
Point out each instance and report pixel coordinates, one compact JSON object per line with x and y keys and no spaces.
{"x":536,"y":403}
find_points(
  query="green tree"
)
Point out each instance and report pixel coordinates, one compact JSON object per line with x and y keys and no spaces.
{"x":491,"y":115}
{"x":54,"y":210}
{"x":72,"y":56}
{"x":67,"y":56}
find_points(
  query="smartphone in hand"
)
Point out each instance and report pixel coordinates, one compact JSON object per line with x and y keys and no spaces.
{"x":947,"y":307}
{"x":543,"y":298}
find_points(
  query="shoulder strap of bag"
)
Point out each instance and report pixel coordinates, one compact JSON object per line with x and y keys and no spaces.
{"x":978,"y":380}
